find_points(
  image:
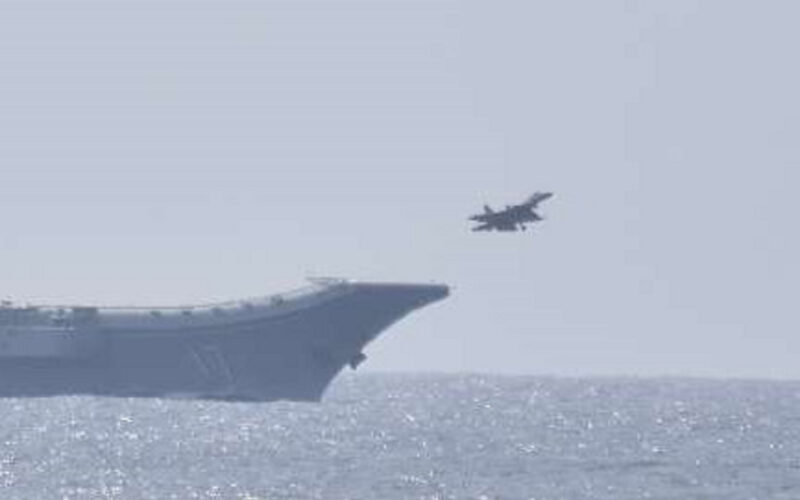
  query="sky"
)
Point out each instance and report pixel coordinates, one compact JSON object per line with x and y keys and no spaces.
{"x":176,"y":151}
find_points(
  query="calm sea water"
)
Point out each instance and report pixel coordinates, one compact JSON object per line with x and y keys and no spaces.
{"x":426,"y":437}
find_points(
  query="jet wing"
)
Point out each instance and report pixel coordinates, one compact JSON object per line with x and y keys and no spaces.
{"x":502,"y":226}
{"x":506,"y":226}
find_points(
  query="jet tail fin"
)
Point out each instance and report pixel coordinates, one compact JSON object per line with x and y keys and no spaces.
{"x":488,"y":210}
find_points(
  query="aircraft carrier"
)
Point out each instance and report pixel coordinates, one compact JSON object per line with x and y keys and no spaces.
{"x":288,"y":346}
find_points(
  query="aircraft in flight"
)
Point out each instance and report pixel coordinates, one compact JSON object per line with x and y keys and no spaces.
{"x":513,"y":217}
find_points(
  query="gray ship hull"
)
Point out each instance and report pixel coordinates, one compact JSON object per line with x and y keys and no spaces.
{"x":284,"y":349}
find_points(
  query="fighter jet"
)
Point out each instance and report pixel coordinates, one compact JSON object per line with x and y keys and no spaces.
{"x":513,"y":217}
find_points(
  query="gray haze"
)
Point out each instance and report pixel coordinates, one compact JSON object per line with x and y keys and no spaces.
{"x":180,"y":151}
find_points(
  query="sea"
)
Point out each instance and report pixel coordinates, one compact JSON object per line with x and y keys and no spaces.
{"x":404,"y":436}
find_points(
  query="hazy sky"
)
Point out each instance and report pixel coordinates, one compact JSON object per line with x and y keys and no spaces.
{"x":179,"y":151}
